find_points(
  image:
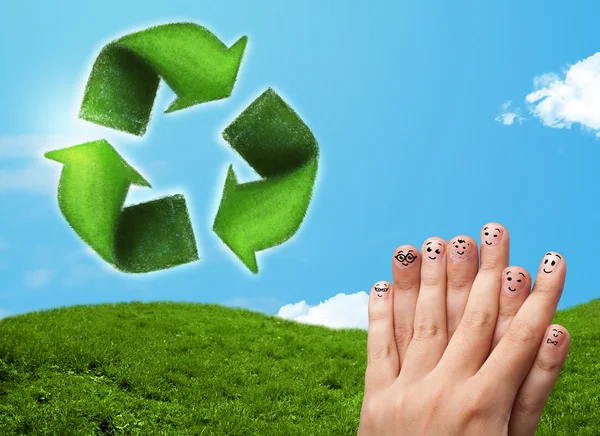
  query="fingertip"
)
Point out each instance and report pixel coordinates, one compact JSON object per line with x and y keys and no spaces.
{"x":381,"y":289}
{"x":462,"y":248}
{"x":557,"y":337}
{"x":553,"y":261}
{"x":492,"y":234}
{"x":406,"y":256}
{"x":515,"y":279}
{"x":434,"y":249}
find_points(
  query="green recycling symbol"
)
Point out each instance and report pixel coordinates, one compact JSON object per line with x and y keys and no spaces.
{"x":158,"y":234}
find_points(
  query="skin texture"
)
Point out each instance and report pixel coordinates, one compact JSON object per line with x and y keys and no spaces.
{"x":451,"y":350}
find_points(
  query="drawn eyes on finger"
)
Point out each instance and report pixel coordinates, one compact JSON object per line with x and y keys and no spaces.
{"x":405,"y":258}
{"x":550,"y":262}
{"x":434,"y":250}
{"x":491,"y":235}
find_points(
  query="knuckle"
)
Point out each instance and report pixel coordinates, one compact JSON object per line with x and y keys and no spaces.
{"x":521,"y":333}
{"x":426,"y":329}
{"x":371,"y":408}
{"x":378,"y":314}
{"x":548,"y":364}
{"x":399,"y":403}
{"x":435,"y":401}
{"x":528,"y":405}
{"x":544,"y":287}
{"x":476,"y":406}
{"x":508,"y":310}
{"x":371,"y":414}
{"x":489,"y":264}
{"x":432,"y":278}
{"x":404,"y":283}
{"x":459,"y":283}
{"x":477,"y":320}
{"x":380,"y":353}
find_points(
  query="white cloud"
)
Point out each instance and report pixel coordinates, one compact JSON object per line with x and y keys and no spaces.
{"x":561,"y":102}
{"x":545,"y":80}
{"x":37,"y":278}
{"x":340,"y":311}
{"x":575,"y":99}
{"x":507,"y":117}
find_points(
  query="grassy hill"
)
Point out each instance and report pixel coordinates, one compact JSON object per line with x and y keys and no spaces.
{"x":193,"y":369}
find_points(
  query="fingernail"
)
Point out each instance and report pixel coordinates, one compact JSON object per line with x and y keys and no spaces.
{"x":405,"y":257}
{"x":460,"y":249}
{"x":381,"y":290}
{"x":514,"y":281}
{"x":550,"y":262}
{"x":491,"y":235}
{"x":555,"y":337}
{"x":434,"y":251}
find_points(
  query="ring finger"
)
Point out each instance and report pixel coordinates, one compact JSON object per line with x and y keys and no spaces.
{"x":516,"y":285}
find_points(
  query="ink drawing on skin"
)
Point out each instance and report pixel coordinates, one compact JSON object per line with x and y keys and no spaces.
{"x":460,"y":250}
{"x":550,"y":261}
{"x":555,"y":333}
{"x":432,"y":252}
{"x":405,"y":259}
{"x":381,"y":289}
{"x":491,"y":235}
{"x":515,"y":282}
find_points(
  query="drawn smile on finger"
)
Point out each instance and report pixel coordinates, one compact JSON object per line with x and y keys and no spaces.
{"x":514,"y":281}
{"x":491,"y":235}
{"x":432,"y":252}
{"x":550,"y":261}
{"x":550,"y":341}
{"x":460,"y":250}
{"x":405,"y":259}
{"x":381,"y":289}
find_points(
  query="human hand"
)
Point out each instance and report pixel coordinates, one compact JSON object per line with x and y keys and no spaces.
{"x":430,"y":370}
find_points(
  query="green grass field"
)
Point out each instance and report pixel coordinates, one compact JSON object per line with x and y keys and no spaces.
{"x":193,"y":369}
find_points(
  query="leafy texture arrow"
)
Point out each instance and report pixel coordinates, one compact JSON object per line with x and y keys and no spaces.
{"x":280,"y":147}
{"x":140,"y":238}
{"x":122,"y":86}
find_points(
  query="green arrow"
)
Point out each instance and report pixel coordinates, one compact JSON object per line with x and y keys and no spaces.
{"x":280,"y":147}
{"x":122,"y":86}
{"x":140,"y":238}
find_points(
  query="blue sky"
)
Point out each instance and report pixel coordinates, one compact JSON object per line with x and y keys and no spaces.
{"x":409,"y":103}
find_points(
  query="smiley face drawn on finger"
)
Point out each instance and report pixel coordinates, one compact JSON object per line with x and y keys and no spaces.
{"x":381,"y":289}
{"x":491,"y":235}
{"x":434,"y":250}
{"x":405,"y":258}
{"x":514,"y":281}
{"x":555,"y":337}
{"x":550,"y":262}
{"x":460,"y":249}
